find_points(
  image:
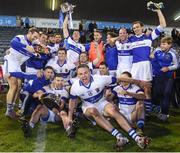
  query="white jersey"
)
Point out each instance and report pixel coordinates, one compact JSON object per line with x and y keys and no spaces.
{"x":20,"y":54}
{"x":141,"y":45}
{"x":62,"y":92}
{"x":125,"y":56}
{"x":126,"y":99}
{"x":53,"y":48}
{"x":94,"y":91}
{"x":126,"y":103}
{"x":74,"y":49}
{"x":66,"y":69}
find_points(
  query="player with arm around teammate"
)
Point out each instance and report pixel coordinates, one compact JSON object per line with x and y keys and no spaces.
{"x":90,"y":90}
{"x":130,"y":102}
{"x":47,"y":112}
{"x":20,"y":51}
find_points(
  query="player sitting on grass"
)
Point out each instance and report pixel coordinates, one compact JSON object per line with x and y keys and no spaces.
{"x":91,"y":91}
{"x":53,"y":98}
{"x":130,"y":102}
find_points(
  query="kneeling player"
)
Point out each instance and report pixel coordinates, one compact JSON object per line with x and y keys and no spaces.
{"x":130,"y":102}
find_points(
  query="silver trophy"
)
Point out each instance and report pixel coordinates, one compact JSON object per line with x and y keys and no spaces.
{"x":68,"y":9}
{"x":154,"y":6}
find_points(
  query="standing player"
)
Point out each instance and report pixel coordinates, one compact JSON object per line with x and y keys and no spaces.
{"x":124,"y":52}
{"x":141,"y":47}
{"x":111,"y":54}
{"x":164,"y":62}
{"x":90,"y":90}
{"x":96,"y":48}
{"x":74,"y":48}
{"x":125,"y":56}
{"x":35,"y":64}
{"x":20,"y":51}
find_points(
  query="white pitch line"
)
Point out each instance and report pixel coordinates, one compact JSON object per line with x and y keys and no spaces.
{"x":41,"y":138}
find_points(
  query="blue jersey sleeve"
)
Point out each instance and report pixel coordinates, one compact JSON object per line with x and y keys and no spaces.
{"x":16,"y":44}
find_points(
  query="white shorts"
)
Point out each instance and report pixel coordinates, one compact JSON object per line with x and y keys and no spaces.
{"x":50,"y":117}
{"x":126,"y":110}
{"x":142,"y":71}
{"x":122,"y":69}
{"x":99,"y":106}
{"x":11,"y":65}
{"x":112,"y":73}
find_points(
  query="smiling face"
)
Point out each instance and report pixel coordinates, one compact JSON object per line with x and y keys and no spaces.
{"x":103,"y":69}
{"x":61,"y":55}
{"x":43,"y":39}
{"x":58,"y":82}
{"x":51,"y":39}
{"x":97,"y":36}
{"x":138,"y":29}
{"x":166,"y":43}
{"x":165,"y":46}
{"x":83,"y":58}
{"x":123,"y":35}
{"x":58,"y":38}
{"x":76,"y":36}
{"x":125,"y":84}
{"x":33,"y":36}
{"x":83,"y":74}
{"x":49,"y":73}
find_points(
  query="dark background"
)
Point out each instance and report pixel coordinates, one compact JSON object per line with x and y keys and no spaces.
{"x":114,"y":10}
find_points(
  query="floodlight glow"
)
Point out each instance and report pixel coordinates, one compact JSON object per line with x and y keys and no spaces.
{"x":53,"y":5}
{"x":178,"y":17}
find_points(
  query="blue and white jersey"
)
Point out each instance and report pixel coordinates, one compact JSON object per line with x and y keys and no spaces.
{"x":36,"y":84}
{"x":124,"y":53}
{"x":18,"y":49}
{"x":111,"y":57}
{"x":67,"y":69}
{"x":64,"y":95}
{"x":141,"y":45}
{"x":164,"y":59}
{"x":53,"y":49}
{"x":34,"y":64}
{"x":94,"y":91}
{"x":126,"y":99}
{"x":74,"y":49}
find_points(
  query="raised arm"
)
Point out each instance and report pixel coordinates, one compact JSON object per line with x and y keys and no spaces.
{"x":65,"y":27}
{"x":162,"y":20}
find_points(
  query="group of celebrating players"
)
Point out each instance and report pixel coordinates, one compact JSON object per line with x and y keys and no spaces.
{"x":105,"y":80}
